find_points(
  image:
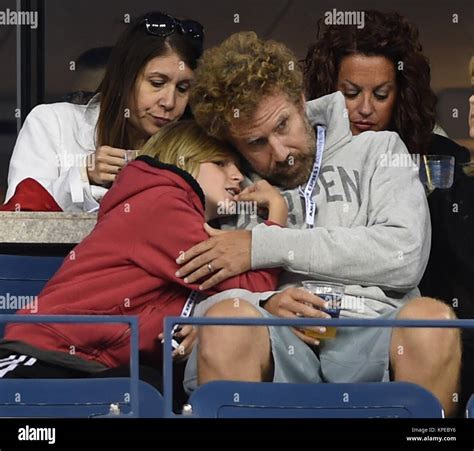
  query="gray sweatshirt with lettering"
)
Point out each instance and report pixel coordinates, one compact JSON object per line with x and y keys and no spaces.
{"x":372,"y":228}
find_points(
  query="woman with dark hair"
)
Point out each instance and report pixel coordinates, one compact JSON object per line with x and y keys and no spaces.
{"x":385,"y":78}
{"x":75,"y":152}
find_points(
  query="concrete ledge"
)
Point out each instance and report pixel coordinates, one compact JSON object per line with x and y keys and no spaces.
{"x":45,"y":228}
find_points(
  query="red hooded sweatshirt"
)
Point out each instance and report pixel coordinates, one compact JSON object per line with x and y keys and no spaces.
{"x":126,"y":266}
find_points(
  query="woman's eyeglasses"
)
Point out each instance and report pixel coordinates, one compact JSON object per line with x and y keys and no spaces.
{"x":160,"y":24}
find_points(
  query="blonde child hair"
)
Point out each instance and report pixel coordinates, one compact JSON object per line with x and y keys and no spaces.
{"x":186,"y":145}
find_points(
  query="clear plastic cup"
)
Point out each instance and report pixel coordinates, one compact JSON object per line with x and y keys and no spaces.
{"x":130,"y":155}
{"x":437,"y":171}
{"x":333,"y":294}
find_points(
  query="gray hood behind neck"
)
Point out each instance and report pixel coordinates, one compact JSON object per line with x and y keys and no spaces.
{"x":331,"y":109}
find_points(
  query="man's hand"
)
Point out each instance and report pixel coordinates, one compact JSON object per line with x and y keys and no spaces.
{"x":104,"y":165}
{"x":224,"y":255}
{"x":292,"y":303}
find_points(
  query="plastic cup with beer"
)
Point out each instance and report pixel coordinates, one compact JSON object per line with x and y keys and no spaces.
{"x":332,"y":294}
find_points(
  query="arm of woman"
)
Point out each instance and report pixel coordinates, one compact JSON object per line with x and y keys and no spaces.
{"x":173,"y":226}
{"x":38,"y":154}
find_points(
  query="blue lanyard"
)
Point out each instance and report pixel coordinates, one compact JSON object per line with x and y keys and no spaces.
{"x":307,"y":192}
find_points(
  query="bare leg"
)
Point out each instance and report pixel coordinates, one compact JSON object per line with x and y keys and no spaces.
{"x":240,"y":353}
{"x":430,"y":357}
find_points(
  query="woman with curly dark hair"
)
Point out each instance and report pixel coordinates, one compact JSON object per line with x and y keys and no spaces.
{"x":384,"y":76}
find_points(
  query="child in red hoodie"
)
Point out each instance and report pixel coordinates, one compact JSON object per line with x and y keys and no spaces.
{"x":126,"y":266}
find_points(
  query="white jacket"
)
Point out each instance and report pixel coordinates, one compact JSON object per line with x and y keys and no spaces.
{"x":52,"y":147}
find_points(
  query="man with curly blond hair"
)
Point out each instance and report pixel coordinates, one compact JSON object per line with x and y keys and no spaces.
{"x":234,"y":84}
{"x":355,"y":218}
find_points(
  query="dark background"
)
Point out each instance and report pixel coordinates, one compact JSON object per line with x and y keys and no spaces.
{"x":72,"y":26}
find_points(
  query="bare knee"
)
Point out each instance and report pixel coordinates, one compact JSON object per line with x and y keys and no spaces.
{"x":227,"y":340}
{"x":233,"y":308}
{"x":439,"y":343}
{"x":240,"y":352}
{"x":426,"y":308}
{"x":430,"y":357}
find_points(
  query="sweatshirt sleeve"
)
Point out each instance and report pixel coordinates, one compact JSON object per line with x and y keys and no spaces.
{"x":37,"y":154}
{"x":390,"y":251}
{"x":173,"y":226}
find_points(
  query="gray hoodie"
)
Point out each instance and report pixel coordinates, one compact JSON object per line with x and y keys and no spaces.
{"x":372,"y":228}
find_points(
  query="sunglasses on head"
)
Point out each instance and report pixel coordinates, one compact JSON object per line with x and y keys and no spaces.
{"x":160,"y":24}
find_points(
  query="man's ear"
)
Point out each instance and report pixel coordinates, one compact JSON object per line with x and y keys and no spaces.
{"x":302,"y":102}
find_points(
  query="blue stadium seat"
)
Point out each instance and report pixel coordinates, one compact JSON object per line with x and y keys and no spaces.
{"x":222,"y":399}
{"x":62,"y":398}
{"x":75,"y":398}
{"x":470,"y":407}
{"x":24,"y":275}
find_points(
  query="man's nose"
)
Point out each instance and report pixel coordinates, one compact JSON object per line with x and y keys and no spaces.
{"x":279,"y":150}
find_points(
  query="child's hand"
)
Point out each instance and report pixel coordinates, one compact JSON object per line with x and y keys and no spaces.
{"x":261,"y":192}
{"x":266,"y":196}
